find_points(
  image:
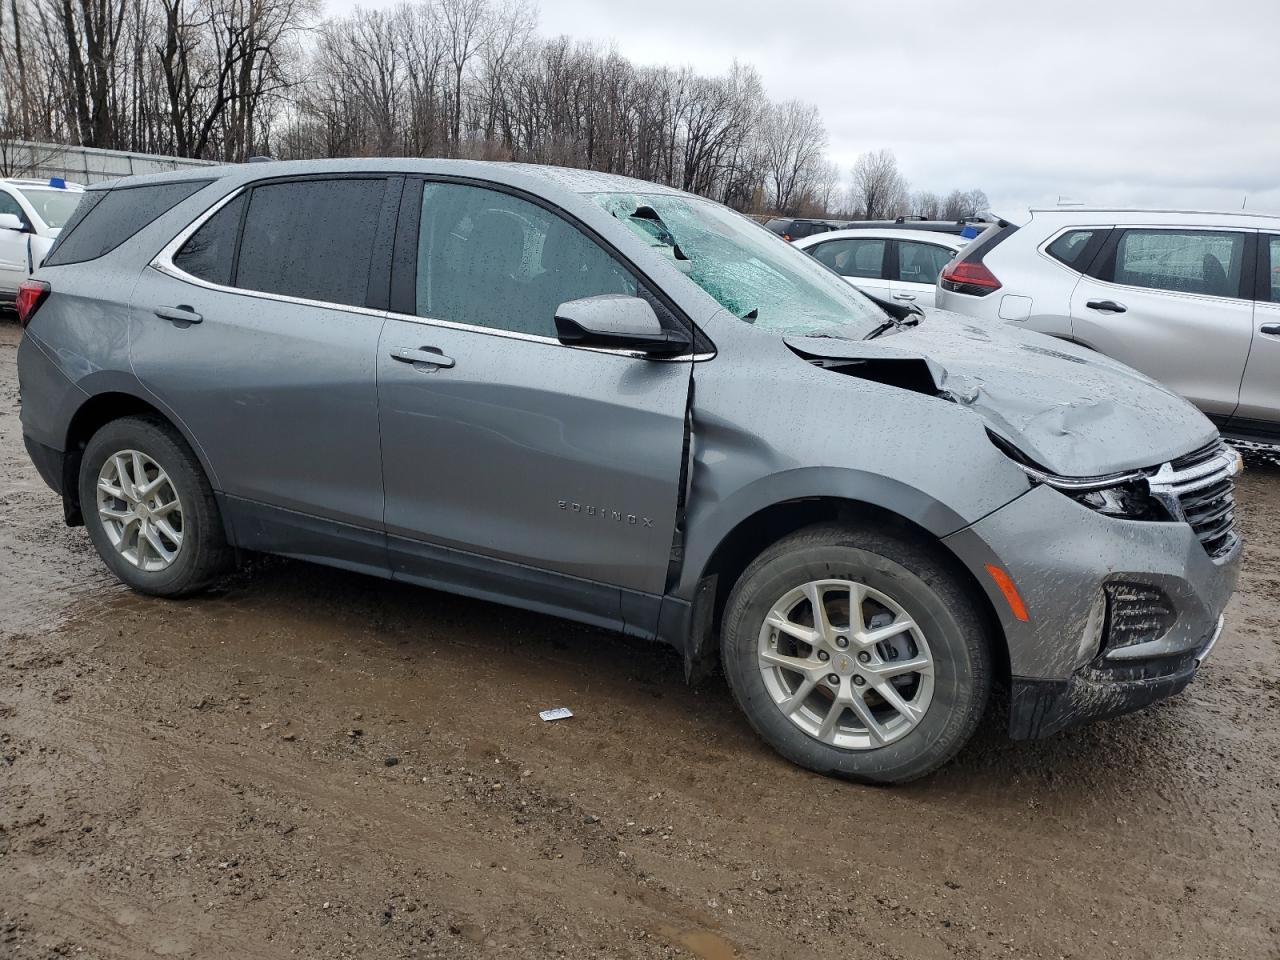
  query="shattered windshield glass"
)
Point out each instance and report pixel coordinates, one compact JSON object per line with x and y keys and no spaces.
{"x":752,"y":273}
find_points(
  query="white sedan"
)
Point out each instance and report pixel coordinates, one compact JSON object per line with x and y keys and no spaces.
{"x":32,"y":213}
{"x":890,"y":264}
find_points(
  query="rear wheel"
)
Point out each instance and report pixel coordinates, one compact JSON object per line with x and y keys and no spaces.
{"x":857,"y":653}
{"x":149,"y":509}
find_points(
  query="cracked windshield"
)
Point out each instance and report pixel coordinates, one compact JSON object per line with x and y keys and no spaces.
{"x":751,"y":273}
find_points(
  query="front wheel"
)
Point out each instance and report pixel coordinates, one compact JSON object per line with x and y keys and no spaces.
{"x":857,"y":653}
{"x":149,"y":509}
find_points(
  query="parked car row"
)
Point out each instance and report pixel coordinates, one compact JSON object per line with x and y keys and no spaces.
{"x":599,"y":398}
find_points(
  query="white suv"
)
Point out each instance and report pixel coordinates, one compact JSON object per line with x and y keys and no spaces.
{"x":32,"y":213}
{"x":1190,"y":299}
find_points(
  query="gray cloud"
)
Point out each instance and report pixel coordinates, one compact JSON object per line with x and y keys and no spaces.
{"x":1144,"y":102}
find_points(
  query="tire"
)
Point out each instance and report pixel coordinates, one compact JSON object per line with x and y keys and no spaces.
{"x":901,"y":578}
{"x":202,"y":553}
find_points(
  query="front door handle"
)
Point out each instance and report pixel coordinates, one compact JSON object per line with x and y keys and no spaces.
{"x":1106,"y":306}
{"x":183,"y":315}
{"x":1271,"y":328}
{"x":904,"y":296}
{"x":428,"y":356}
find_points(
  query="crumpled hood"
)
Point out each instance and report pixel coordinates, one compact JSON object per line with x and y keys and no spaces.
{"x":1072,"y":411}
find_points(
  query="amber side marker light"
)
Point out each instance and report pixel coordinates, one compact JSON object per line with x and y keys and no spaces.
{"x":1006,"y":585}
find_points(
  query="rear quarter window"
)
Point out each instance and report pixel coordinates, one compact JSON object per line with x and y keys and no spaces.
{"x":1069,"y":248}
{"x":107,"y":218}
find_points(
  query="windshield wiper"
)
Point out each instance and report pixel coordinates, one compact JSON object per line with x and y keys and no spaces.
{"x":912,"y":319}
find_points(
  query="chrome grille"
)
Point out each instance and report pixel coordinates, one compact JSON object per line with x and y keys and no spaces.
{"x":1198,"y":489}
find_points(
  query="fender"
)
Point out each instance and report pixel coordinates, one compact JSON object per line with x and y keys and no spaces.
{"x":708,"y":527}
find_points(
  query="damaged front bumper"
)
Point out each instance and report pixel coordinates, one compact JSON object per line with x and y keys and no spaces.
{"x":1038,"y":708}
{"x":1118,"y":613}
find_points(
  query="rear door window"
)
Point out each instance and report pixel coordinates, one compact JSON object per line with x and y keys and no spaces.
{"x":117,"y":216}
{"x":1181,"y":261}
{"x":858,"y":257}
{"x":311,"y":239}
{"x":921,"y":262}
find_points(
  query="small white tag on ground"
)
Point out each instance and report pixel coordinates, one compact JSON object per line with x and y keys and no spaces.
{"x":556,"y":713}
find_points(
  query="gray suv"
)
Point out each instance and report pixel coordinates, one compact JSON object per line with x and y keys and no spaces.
{"x":618,"y":403}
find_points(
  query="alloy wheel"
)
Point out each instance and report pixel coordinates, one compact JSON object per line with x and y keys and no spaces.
{"x":846,"y":664}
{"x":140,"y":510}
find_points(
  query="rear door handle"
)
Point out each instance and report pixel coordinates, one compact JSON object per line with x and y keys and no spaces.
{"x":1271,"y":328}
{"x":1106,"y":306}
{"x":431,"y":356}
{"x":182,"y":314}
{"x":904,"y":296}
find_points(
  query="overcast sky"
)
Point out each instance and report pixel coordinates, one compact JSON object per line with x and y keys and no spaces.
{"x":1132,"y":102}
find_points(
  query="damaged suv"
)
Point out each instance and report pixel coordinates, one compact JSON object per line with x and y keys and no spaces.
{"x":628,"y":406}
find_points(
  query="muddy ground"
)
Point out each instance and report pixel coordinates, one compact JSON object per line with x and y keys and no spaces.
{"x":310,"y":763}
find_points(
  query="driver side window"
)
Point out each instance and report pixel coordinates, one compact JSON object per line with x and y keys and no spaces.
{"x":490,"y":259}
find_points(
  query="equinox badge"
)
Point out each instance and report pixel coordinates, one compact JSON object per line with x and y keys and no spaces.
{"x":603,"y":513}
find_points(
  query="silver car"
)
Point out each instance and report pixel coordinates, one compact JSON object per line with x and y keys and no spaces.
{"x":1191,"y":299}
{"x":625,"y":405}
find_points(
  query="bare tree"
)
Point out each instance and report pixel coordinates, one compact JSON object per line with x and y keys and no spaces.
{"x":879,"y":190}
{"x":960,"y":204}
{"x":794,"y":141}
{"x":927,"y":204}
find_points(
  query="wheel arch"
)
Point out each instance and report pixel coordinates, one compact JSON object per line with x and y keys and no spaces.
{"x":95,"y":412}
{"x":752,"y":534}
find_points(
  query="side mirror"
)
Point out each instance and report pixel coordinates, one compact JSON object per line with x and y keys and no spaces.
{"x":11,"y":221}
{"x":617,"y":321}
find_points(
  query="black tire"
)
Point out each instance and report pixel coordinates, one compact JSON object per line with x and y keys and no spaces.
{"x":912,"y":573}
{"x":203,"y":554}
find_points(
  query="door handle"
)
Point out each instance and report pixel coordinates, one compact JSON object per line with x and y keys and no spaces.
{"x":1271,"y":328}
{"x":183,"y":315}
{"x":904,"y":296}
{"x":429,"y":356}
{"x":1106,"y":306}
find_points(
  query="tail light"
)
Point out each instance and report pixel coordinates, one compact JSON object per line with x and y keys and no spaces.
{"x":969,"y":276}
{"x":31,"y":293}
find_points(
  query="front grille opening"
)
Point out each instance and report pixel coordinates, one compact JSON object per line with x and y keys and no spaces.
{"x":1207,"y":501}
{"x":1136,"y":613}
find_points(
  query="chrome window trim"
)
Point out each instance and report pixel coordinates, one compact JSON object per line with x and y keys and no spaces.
{"x":163,"y":262}
{"x":535,"y":338}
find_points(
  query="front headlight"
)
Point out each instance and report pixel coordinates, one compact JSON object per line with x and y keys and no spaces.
{"x":1131,"y":500}
{"x":1116,"y":495}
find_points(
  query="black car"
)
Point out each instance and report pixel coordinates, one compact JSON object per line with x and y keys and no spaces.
{"x":793,"y":228}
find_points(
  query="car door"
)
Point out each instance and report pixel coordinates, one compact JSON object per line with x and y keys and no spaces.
{"x":918,"y":266}
{"x":13,"y":247}
{"x":516,"y":467}
{"x":1259,"y":408}
{"x":862,"y":261}
{"x":1169,"y":301}
{"x":262,"y":338}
